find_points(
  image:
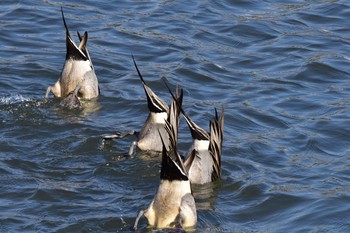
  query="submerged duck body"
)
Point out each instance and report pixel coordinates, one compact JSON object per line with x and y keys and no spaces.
{"x":77,"y":71}
{"x":149,"y":136}
{"x":203,"y":160}
{"x":153,"y":132}
{"x":173,"y":204}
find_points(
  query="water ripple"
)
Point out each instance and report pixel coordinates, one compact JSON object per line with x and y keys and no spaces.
{"x":280,"y":70}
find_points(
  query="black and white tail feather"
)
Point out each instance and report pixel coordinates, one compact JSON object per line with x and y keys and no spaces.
{"x":155,"y":104}
{"x":214,"y":138}
{"x":215,"y":145}
{"x":172,"y":165}
{"x":73,"y":51}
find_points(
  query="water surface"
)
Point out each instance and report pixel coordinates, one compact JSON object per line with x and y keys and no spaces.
{"x":281,"y":71}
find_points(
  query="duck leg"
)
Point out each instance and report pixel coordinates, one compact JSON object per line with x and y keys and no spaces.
{"x":137,"y":219}
{"x":119,"y":135}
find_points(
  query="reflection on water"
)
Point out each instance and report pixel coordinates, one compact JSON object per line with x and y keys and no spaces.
{"x":78,"y":114}
{"x":205,"y":195}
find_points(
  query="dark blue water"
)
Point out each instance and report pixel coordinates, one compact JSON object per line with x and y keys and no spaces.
{"x":281,"y":71}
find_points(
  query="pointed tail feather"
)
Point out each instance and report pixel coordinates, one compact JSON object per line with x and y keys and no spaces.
{"x":215,"y":146}
{"x":64,"y":22}
{"x":189,"y":160}
{"x":82,"y":46}
{"x":174,"y":112}
{"x":73,"y":51}
{"x":172,"y":165}
{"x":83,"y":40}
{"x":196,"y":131}
{"x":155,"y":104}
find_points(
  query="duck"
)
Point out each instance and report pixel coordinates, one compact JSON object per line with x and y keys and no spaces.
{"x":173,"y":205}
{"x":78,"y":71}
{"x":148,"y":138}
{"x":203,"y":159}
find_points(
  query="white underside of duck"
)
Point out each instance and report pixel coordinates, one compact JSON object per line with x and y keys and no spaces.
{"x":149,"y":138}
{"x":202,"y":165}
{"x":164,"y":211}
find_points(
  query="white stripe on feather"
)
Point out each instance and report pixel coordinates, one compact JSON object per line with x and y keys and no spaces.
{"x":200,"y":144}
{"x":159,"y":117}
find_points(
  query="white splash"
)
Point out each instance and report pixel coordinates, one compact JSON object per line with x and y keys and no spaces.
{"x":12,"y":99}
{"x":347,"y":58}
